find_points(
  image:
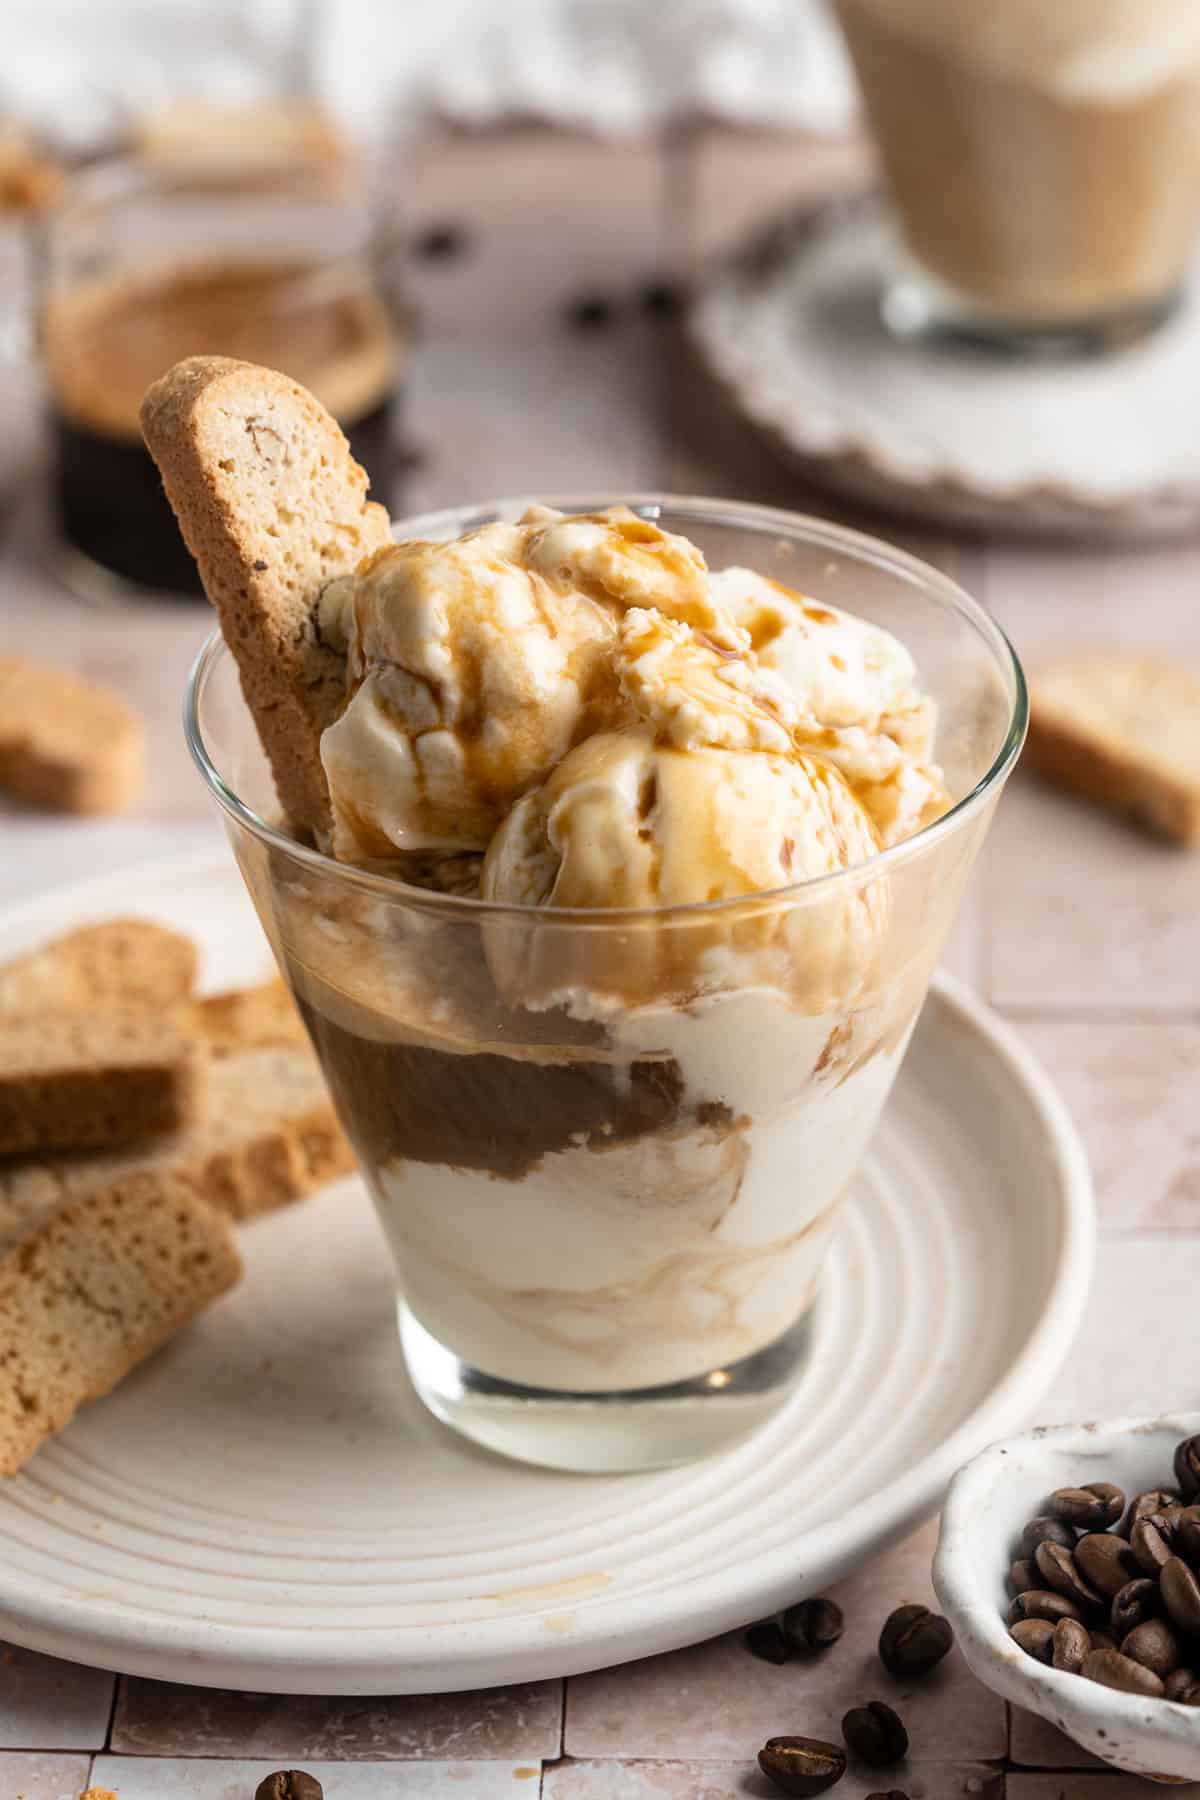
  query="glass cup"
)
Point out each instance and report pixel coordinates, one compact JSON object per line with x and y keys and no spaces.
{"x":609,"y":1219}
{"x":1043,"y":161}
{"x":291,"y":266}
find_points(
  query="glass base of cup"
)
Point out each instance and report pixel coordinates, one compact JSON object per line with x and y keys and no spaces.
{"x":916,"y":307}
{"x":605,"y":1433}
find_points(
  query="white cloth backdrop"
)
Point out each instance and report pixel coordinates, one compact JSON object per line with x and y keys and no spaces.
{"x":77,"y":67}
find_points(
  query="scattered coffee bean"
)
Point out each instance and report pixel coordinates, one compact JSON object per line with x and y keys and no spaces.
{"x":1187,"y":1469}
{"x":766,"y":1641}
{"x":1040,"y":1603}
{"x":289,"y":1784}
{"x":1058,"y":1570}
{"x":812,"y":1626}
{"x":1045,"y":1530}
{"x":1113,"y":1670}
{"x":875,"y":1734}
{"x":800,"y":1765}
{"x":1071,"y":1644}
{"x":1091,"y":1508}
{"x":441,"y":242}
{"x":661,"y":299}
{"x":1036,"y":1637}
{"x":1149,"y":1545}
{"x":1154,"y":1645}
{"x":913,"y":1641}
{"x":1181,"y":1594}
{"x":1022,"y":1576}
{"x":591,"y":312}
{"x":1137,"y":1601}
{"x":1182,"y":1686}
{"x":1106,"y":1562}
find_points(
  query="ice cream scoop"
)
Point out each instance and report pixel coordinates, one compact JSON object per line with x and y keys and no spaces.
{"x":855,"y":690}
{"x":475,"y":665}
{"x":703,"y":798}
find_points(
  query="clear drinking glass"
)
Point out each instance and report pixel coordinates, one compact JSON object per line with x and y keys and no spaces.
{"x":1043,"y":162}
{"x":292,"y":266}
{"x":609,"y":1230}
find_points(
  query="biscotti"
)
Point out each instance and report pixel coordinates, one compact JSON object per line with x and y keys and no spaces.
{"x":273,"y":507}
{"x":1123,"y":731}
{"x":131,"y":962}
{"x":93,"y":1292}
{"x":95,"y":1079}
{"x":244,"y":1018}
{"x":65,"y":744}
{"x":271,"y":1137}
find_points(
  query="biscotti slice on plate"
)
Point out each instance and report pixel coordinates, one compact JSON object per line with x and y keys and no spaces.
{"x":65,"y":744}
{"x":95,"y":1079}
{"x":1123,"y":731}
{"x":273,"y":507}
{"x":271,"y":1137}
{"x":133,"y":962}
{"x":245,"y":1018}
{"x":93,"y":1292}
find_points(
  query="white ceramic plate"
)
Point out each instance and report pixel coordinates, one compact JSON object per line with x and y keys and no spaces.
{"x":1092,"y":447}
{"x":266,"y":1505}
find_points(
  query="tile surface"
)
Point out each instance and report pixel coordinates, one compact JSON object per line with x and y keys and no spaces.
{"x":41,"y":1775}
{"x":1132,"y":1089}
{"x":50,"y":1705}
{"x":155,"y":1718}
{"x":194,"y":1779}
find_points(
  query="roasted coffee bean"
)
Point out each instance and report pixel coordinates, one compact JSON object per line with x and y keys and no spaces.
{"x":1149,"y":1545}
{"x":1035,"y":1636}
{"x":662,"y":299}
{"x":812,"y":1626}
{"x":1154,"y":1645}
{"x":1187,"y":1469}
{"x":1091,"y":1508}
{"x":1023,"y":1575}
{"x":892,"y":1794}
{"x":766,"y":1641}
{"x":1186,"y":1536}
{"x":1113,"y":1670}
{"x":1182,"y":1686}
{"x":1071,"y":1644}
{"x":1154,"y":1500}
{"x":1040,"y":1603}
{"x":1137,"y":1601}
{"x":441,"y":241}
{"x":1045,"y":1530}
{"x":1057,"y":1568}
{"x":591,"y":312}
{"x":289,"y":1784}
{"x":1181,"y":1594}
{"x":876,"y":1734}
{"x":800,"y":1765}
{"x":1106,"y":1562}
{"x":913,"y":1641}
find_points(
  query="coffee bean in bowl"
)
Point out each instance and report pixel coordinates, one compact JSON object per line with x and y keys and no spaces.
{"x":1106,"y":1644}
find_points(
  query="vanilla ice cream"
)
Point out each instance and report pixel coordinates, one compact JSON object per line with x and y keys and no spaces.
{"x":607,"y":1144}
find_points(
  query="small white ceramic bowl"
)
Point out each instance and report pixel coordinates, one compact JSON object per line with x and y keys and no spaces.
{"x":989,"y":1502}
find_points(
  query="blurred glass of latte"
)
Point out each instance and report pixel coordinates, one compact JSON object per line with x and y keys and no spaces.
{"x":148,"y":264}
{"x":1043,"y":157}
